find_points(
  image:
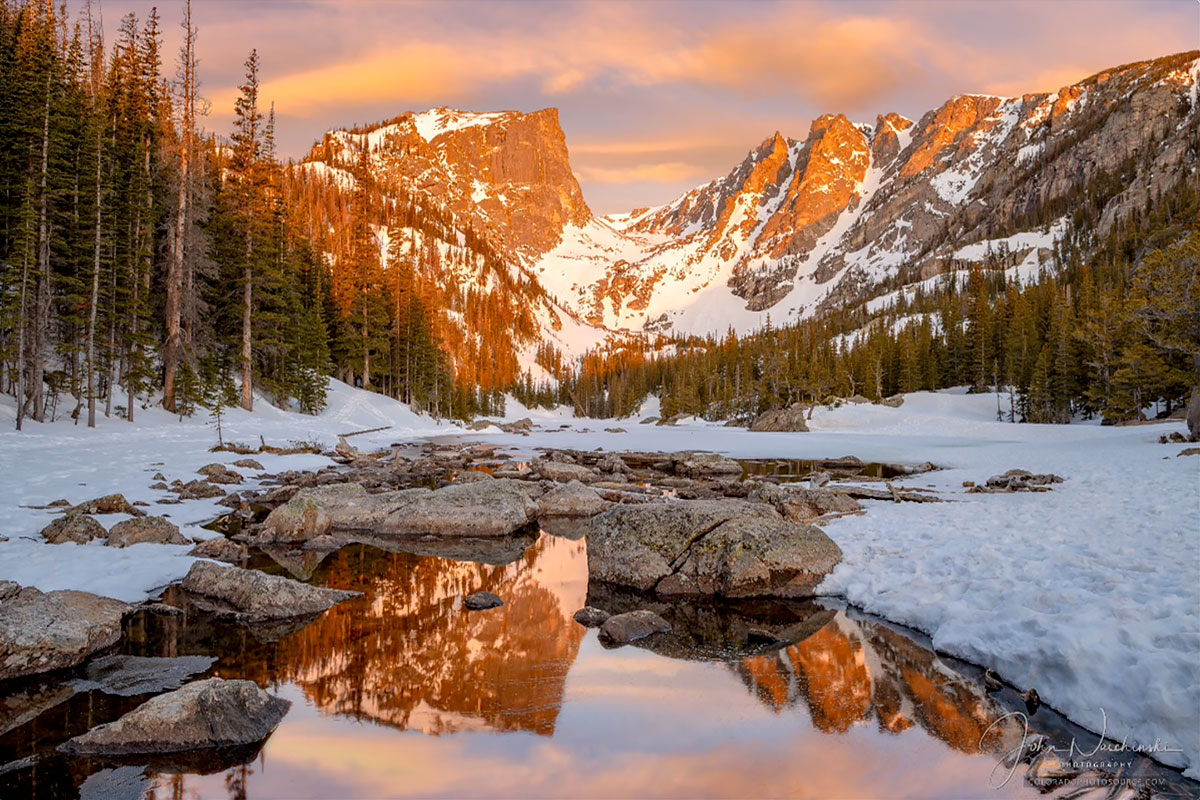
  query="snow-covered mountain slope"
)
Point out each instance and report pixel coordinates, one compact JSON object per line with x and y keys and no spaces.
{"x":849,"y":213}
{"x":800,"y":226}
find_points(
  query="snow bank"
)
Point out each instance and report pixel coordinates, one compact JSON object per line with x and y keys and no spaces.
{"x":46,"y":462}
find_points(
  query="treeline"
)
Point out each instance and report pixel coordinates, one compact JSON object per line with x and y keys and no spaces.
{"x":1108,"y":337}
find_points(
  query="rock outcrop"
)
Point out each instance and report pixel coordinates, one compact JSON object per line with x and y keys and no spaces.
{"x":43,"y":631}
{"x":77,"y":528}
{"x":206,"y":714}
{"x":155,"y":530}
{"x":788,"y":419}
{"x":253,"y":596}
{"x":632,"y":626}
{"x":726,"y":548}
{"x":571,"y":500}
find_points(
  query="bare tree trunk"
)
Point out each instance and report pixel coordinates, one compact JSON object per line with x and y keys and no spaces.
{"x":247,"y":296}
{"x":21,"y":341}
{"x":91,"y":331}
{"x":366,"y":350}
{"x":175,"y":266}
{"x":41,"y":320}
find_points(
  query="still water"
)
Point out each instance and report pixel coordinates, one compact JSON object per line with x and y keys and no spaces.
{"x":403,"y":693}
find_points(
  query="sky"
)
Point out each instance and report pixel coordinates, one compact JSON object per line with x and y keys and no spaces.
{"x":657,"y":96}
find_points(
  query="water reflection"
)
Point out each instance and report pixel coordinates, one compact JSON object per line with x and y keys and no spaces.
{"x":402,"y":692}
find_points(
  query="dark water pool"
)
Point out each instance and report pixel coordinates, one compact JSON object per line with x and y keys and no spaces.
{"x":403,"y":693}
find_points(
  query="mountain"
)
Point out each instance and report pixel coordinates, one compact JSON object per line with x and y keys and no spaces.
{"x":849,"y":212}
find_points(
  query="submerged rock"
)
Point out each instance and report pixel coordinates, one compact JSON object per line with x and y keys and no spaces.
{"x":729,"y":548}
{"x":591,"y":617}
{"x":571,"y":500}
{"x":631,"y":626}
{"x":78,"y":528}
{"x":127,"y":676}
{"x":40,"y":631}
{"x":480,"y":601}
{"x":790,"y":419}
{"x":205,"y":714}
{"x":155,"y":530}
{"x":253,"y":596}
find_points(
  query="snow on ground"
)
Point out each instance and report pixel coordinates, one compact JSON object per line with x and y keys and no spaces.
{"x":1088,"y":593}
{"x":56,"y":460}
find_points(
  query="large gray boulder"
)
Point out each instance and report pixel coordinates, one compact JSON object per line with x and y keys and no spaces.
{"x":727,"y":548}
{"x":789,"y":419}
{"x":703,"y":465}
{"x":632,"y":626}
{"x":318,"y":510}
{"x":155,"y":530}
{"x":254,"y":596}
{"x":488,"y":508}
{"x":40,"y":631}
{"x":109,"y":504}
{"x":571,"y":500}
{"x":78,"y":528}
{"x":204,"y":714}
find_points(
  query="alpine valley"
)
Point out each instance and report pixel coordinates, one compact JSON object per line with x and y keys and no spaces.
{"x":851,"y":213}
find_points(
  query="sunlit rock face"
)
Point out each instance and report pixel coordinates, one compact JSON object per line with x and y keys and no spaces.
{"x":850,"y":673}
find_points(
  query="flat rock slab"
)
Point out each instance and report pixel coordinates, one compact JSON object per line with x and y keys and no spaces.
{"x":487,"y":508}
{"x":127,"y":676}
{"x":206,"y":714}
{"x":480,"y":601}
{"x":632,"y":626}
{"x":255,"y":596}
{"x":727,"y":548}
{"x":139,"y":530}
{"x":40,"y":631}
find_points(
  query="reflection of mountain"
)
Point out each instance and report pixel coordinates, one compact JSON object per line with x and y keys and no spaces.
{"x":406,"y":654}
{"x":851,"y":672}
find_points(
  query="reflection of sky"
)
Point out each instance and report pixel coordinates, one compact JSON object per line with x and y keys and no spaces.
{"x":654,"y":97}
{"x":632,"y":724}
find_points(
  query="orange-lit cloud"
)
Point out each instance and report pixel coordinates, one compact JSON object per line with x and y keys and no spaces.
{"x":666,"y":171}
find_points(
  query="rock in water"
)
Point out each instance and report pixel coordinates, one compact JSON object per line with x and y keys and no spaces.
{"x":631,"y":626}
{"x":790,"y":419}
{"x":480,"y":601}
{"x":40,"y":632}
{"x":128,"y":676}
{"x":571,"y":500}
{"x":220,"y":549}
{"x":205,"y":714}
{"x":78,"y":528}
{"x":591,"y":617}
{"x":255,"y":596}
{"x":728,"y":548}
{"x":487,"y":508}
{"x":156,"y":530}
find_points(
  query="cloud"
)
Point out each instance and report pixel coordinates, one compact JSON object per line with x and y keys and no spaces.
{"x":665,"y":172}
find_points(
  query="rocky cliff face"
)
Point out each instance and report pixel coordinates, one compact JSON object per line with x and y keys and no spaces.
{"x":798,"y":227}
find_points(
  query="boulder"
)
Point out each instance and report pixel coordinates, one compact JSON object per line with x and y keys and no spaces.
{"x":219,"y":473}
{"x":802,"y":504}
{"x":520,"y":426}
{"x":472,"y":476}
{"x":571,"y":500}
{"x":248,"y":463}
{"x":631,"y":626}
{"x":155,"y":530}
{"x":78,"y":528}
{"x":314,"y":512}
{"x":109,"y":504}
{"x":1017,"y":480}
{"x":205,"y":714}
{"x":40,"y":631}
{"x":781,"y":419}
{"x":220,"y":549}
{"x":198,"y":490}
{"x":8,"y":589}
{"x":253,"y":596}
{"x":613,"y":464}
{"x":561,"y":472}
{"x":591,"y":617}
{"x":487,"y":508}
{"x":691,"y":464}
{"x":728,"y":548}
{"x":479,"y":601}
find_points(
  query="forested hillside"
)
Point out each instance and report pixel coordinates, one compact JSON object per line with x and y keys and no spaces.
{"x":146,"y":260}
